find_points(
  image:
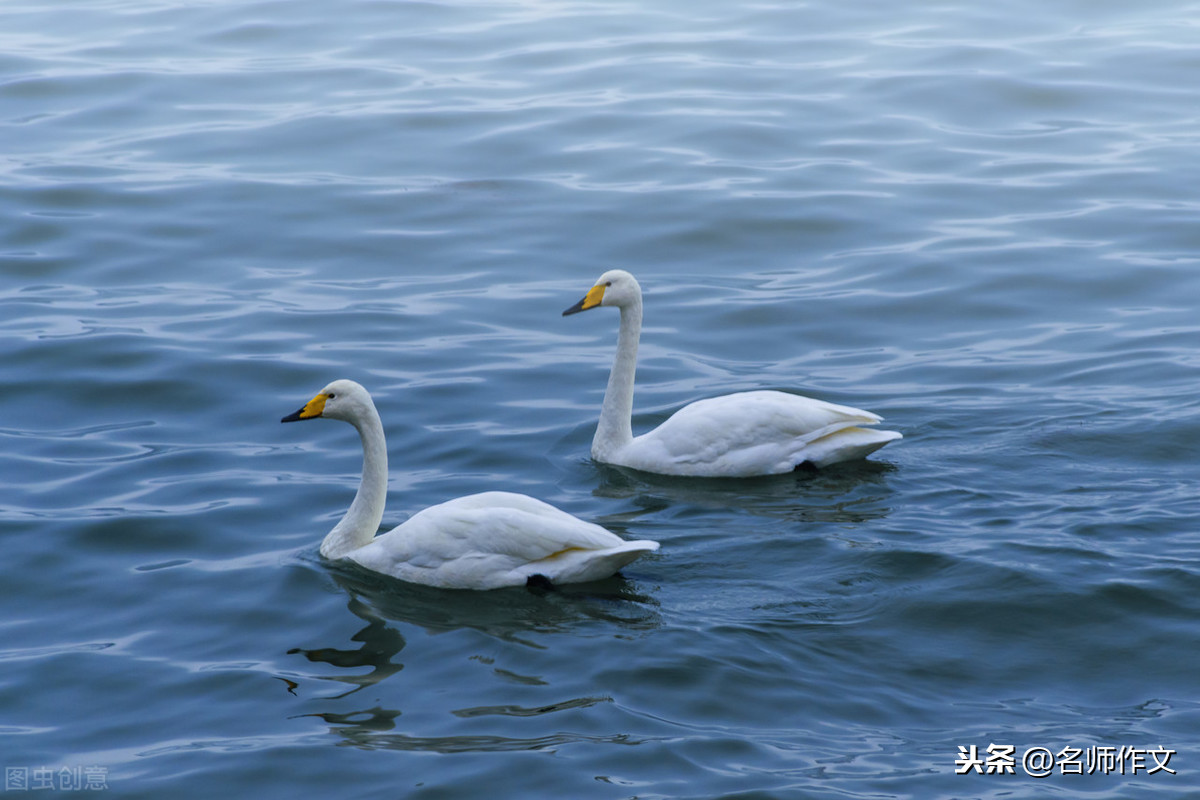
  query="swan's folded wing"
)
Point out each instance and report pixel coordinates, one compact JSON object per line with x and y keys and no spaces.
{"x":481,"y":541}
{"x":747,"y":433}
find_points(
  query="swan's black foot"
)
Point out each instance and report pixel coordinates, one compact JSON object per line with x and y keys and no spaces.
{"x":805,"y":466}
{"x":539,"y":584}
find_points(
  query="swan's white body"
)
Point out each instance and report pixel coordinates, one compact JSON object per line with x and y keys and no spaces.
{"x":481,"y":541}
{"x":735,"y":435}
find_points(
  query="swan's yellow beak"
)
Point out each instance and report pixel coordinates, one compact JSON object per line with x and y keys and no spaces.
{"x":590,"y":300}
{"x":313,"y":408}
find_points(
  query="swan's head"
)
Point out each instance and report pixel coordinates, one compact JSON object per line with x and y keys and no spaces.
{"x":614,"y":288}
{"x":344,"y":400}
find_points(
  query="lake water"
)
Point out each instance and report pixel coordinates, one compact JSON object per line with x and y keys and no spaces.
{"x":978,"y":220}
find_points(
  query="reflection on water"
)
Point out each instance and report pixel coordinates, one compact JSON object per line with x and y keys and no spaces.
{"x":521,"y":711}
{"x":506,"y":614}
{"x":519,"y":616}
{"x":367,"y":737}
{"x":380,"y":644}
{"x":849,"y":492}
{"x":510,"y":615}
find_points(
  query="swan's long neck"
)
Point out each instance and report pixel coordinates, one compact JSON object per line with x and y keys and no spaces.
{"x":361,"y":522}
{"x":616,"y":415}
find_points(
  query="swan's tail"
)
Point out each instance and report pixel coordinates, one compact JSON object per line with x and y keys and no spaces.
{"x":581,"y":566}
{"x":846,"y":444}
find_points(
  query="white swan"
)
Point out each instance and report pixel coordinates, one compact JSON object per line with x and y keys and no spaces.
{"x":735,"y":435}
{"x":481,"y":541}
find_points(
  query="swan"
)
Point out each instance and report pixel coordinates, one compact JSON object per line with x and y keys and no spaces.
{"x":481,"y":541}
{"x":731,"y":436}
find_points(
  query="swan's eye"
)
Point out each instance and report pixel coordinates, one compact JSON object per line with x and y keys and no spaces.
{"x":331,"y":395}
{"x":608,"y":283}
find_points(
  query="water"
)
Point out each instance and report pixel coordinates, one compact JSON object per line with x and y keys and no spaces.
{"x":977,"y":220}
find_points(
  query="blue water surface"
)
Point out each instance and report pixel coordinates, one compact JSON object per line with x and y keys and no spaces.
{"x":978,"y":220}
